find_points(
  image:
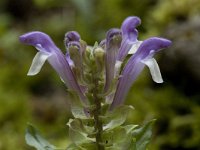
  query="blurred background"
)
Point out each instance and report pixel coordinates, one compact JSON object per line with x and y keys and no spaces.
{"x":41,"y":100}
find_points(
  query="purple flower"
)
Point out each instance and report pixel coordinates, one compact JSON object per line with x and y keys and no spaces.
{"x":117,"y":50}
{"x":112,"y":44}
{"x":74,"y":53}
{"x":69,"y":60}
{"x":72,"y":36}
{"x":143,"y":56}
{"x":71,"y":41}
{"x":49,"y":51}
{"x":129,"y":36}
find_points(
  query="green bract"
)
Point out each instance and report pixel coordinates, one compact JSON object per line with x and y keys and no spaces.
{"x":34,"y":139}
{"x":121,"y":137}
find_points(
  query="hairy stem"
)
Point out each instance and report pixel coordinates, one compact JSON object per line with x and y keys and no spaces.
{"x":97,"y":113}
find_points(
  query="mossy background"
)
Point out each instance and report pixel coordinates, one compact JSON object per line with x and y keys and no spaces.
{"x":42,"y":99}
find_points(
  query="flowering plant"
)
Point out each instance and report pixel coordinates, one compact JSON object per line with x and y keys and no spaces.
{"x":98,"y":79}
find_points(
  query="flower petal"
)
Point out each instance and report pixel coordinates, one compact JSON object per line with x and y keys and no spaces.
{"x":44,"y":44}
{"x":69,"y":60}
{"x":150,"y":44}
{"x":134,"y":67}
{"x":154,"y":69}
{"x":128,"y":27}
{"x":113,"y":41}
{"x":38,"y":62}
{"x":40,"y":39}
{"x":129,"y":75}
{"x":135,"y":47}
{"x":129,"y":36}
{"x":118,"y":65}
{"x":72,"y":36}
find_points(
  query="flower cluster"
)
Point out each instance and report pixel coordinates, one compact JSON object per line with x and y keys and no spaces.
{"x":109,"y":54}
{"x":101,"y":75}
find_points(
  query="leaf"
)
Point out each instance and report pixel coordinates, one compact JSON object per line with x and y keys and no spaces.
{"x":80,"y":126}
{"x":73,"y":147}
{"x":78,"y":112}
{"x":79,"y":138}
{"x":112,"y":148}
{"x":117,"y":139}
{"x":143,"y":135}
{"x":89,"y":146}
{"x":34,"y":139}
{"x":86,"y":146}
{"x":117,"y":117}
{"x":130,"y":128}
{"x":132,"y":145}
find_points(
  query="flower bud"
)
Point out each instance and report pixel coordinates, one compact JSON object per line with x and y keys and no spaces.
{"x":87,"y":55}
{"x":99,"y":55}
{"x":113,"y":38}
{"x":113,"y":43}
{"x":73,"y":48}
{"x":71,"y":36}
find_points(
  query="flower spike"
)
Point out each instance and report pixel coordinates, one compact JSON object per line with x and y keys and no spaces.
{"x":100,"y":76}
{"x":48,"y":51}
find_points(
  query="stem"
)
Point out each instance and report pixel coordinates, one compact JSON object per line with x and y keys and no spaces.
{"x":97,"y":113}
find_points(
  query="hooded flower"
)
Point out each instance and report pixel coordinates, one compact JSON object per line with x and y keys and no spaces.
{"x":74,"y":52}
{"x":47,"y":50}
{"x":129,"y":36}
{"x":112,"y":44}
{"x":120,"y":42}
{"x":143,"y":56}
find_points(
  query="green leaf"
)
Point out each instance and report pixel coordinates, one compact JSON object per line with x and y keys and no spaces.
{"x":78,"y":112}
{"x":89,"y":146}
{"x":34,"y":139}
{"x":79,"y":138}
{"x":117,"y":138}
{"x":81,"y":126}
{"x":116,"y":117}
{"x":129,"y":146}
{"x":132,"y":145}
{"x":73,"y":147}
{"x":130,"y":128}
{"x":143,"y":135}
{"x":84,"y":146}
{"x":112,"y":148}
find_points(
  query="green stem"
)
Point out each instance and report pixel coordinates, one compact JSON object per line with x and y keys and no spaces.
{"x":97,"y":113}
